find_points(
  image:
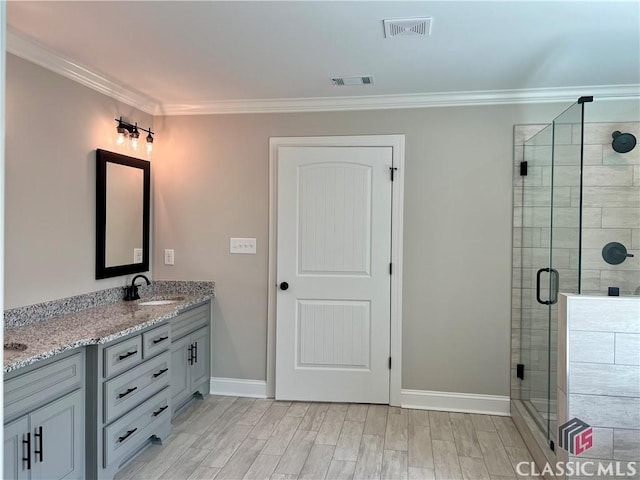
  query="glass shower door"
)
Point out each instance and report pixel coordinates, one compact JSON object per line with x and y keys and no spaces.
{"x":564,"y":233}
{"x":551,"y":221}
{"x":536,"y":202}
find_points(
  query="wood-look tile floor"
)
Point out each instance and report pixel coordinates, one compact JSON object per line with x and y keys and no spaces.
{"x":244,"y":438}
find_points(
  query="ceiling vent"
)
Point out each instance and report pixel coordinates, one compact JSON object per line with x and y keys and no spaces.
{"x":407,"y":27}
{"x":350,"y":81}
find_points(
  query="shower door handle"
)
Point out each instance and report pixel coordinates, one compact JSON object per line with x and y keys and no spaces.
{"x":555,"y":283}
{"x":538,"y":275}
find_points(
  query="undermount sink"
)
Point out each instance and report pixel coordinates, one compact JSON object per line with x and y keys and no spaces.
{"x":157,"y":302}
{"x":161,"y":301}
{"x":16,"y":347}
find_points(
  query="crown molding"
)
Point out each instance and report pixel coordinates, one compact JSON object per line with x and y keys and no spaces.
{"x":26,"y":48}
{"x":419,"y":100}
{"x":34,"y":52}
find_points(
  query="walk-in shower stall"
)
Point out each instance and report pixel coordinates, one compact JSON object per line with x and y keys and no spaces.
{"x":576,"y":230}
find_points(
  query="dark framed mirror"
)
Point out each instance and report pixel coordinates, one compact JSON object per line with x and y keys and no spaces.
{"x":123,"y":186}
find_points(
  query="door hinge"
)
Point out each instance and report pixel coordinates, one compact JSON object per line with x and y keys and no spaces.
{"x":392,"y":169}
{"x":520,"y":371}
{"x":523,"y":169}
{"x":389,"y":363}
{"x":390,"y":268}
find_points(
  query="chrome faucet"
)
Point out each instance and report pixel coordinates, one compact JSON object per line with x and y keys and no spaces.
{"x":131,"y":291}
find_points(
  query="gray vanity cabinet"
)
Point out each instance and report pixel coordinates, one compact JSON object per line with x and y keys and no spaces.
{"x":199,"y":368}
{"x":190,"y":356}
{"x":58,"y":439}
{"x":44,"y":433}
{"x":15,"y":433}
{"x":130,"y":398}
{"x":180,"y":384}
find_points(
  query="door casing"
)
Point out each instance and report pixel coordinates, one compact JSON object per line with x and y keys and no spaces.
{"x":396,"y":142}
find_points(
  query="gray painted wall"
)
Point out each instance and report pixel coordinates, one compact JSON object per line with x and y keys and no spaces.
{"x":53,"y":126}
{"x":212,"y":183}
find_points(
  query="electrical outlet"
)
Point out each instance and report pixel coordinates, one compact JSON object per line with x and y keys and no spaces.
{"x":169,"y":256}
{"x":137,"y":255}
{"x":243,"y":245}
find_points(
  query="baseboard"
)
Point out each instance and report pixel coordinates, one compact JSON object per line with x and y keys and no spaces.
{"x":238,"y":387}
{"x":456,"y":402}
{"x":419,"y":399}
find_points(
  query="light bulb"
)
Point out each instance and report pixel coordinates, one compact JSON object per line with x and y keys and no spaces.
{"x":122,"y":133}
{"x":149,"y":142}
{"x":134,"y":137}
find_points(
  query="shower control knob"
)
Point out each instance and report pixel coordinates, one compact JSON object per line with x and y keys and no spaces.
{"x":614,"y":253}
{"x":284,"y":286}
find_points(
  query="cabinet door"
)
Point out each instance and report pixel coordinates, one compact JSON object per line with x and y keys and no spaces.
{"x":57,"y":432}
{"x":180,"y":369}
{"x":15,"y":450}
{"x":200,"y":366}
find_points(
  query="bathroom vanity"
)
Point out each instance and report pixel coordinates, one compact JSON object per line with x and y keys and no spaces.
{"x":95,"y":387}
{"x":44,"y":419}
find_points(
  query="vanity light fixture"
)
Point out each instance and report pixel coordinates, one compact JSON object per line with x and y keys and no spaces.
{"x":149,"y":142}
{"x":134,"y":136}
{"x":126,"y":129}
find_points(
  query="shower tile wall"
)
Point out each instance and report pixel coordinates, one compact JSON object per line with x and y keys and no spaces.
{"x":600,"y":374}
{"x":611,"y":212}
{"x":612,"y":194}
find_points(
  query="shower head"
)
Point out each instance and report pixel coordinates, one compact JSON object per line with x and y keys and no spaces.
{"x":623,"y":142}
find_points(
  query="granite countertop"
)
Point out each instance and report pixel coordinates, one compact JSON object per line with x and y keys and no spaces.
{"x":91,"y":326}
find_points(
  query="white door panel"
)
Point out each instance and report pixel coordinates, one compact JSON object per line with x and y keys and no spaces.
{"x":333,"y":334}
{"x":334,"y":233}
{"x":334,"y":243}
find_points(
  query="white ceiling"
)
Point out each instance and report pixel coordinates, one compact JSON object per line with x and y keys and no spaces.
{"x":195,"y":53}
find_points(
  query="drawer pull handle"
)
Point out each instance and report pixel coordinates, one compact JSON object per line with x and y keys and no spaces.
{"x":162,"y":409}
{"x":127,"y":435}
{"x":27,"y":442}
{"x":161,"y":339}
{"x":39,"y":451}
{"x":156,"y":375}
{"x":126,"y":355}
{"x":129,"y":390}
{"x":195,"y":348}
{"x":190,"y":354}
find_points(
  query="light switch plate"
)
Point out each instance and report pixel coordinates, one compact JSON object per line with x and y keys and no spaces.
{"x":169,"y":256}
{"x":243,"y":245}
{"x":137,"y":255}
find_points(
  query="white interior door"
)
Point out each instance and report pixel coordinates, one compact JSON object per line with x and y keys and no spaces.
{"x":333,"y":258}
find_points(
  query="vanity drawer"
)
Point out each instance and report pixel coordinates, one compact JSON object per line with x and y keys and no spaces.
{"x":127,"y":434}
{"x":125,"y":391}
{"x":122,"y":356}
{"x":156,"y":340}
{"x":25,"y":392}
{"x":189,"y":321}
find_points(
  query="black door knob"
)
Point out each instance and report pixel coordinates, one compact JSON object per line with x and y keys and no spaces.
{"x":284,"y":286}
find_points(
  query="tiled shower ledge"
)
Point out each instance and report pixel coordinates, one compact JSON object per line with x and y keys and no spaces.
{"x":50,"y":328}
